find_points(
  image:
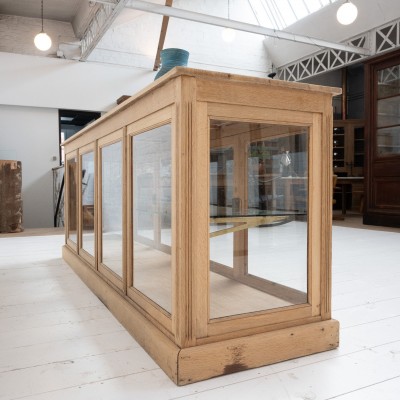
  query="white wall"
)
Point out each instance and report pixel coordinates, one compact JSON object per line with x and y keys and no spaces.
{"x":58,"y":83}
{"x":30,"y":135}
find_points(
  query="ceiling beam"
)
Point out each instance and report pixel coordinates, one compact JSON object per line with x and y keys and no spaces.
{"x":241,"y":26}
{"x":163,"y":33}
{"x":99,"y":25}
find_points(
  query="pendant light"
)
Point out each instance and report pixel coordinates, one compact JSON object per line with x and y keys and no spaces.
{"x":228,"y":34}
{"x":347,"y":13}
{"x":42,"y":40}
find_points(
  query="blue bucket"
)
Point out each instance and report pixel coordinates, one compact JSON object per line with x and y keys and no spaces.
{"x":171,"y":58}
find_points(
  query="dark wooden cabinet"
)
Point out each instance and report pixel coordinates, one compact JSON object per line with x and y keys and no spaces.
{"x":383,"y":140}
{"x":348,"y":161}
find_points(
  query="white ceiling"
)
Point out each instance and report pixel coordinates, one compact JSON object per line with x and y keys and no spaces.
{"x":58,"y":10}
{"x":322,"y":24}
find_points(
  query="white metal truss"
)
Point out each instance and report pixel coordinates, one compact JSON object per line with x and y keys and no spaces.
{"x":389,"y":75}
{"x":377,"y":40}
{"x":237,"y":25}
{"x":98,"y":26}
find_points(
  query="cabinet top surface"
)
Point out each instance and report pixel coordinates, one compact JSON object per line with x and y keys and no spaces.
{"x":210,"y":76}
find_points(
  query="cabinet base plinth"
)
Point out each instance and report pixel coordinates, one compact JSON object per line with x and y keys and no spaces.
{"x":193,"y":364}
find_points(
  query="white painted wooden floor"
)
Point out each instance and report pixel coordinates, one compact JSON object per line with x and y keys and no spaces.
{"x":58,"y":341}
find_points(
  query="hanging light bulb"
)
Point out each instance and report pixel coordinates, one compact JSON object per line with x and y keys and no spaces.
{"x":347,"y":13}
{"x":42,"y":40}
{"x":228,"y":34}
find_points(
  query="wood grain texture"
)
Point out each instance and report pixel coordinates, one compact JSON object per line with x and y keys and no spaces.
{"x":202,"y":362}
{"x":10,"y":196}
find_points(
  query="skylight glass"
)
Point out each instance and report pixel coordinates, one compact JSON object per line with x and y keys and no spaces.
{"x":278,"y":14}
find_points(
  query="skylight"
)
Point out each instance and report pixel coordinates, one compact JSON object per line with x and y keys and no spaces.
{"x":278,"y":14}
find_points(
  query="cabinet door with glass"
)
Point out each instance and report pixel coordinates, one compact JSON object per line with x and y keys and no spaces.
{"x":71,"y":193}
{"x":111,"y":223}
{"x":383,"y":181}
{"x":258,"y":217}
{"x":87,"y":203}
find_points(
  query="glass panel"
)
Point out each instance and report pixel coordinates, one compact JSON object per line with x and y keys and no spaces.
{"x":389,"y":82}
{"x":72,"y":166}
{"x":111,"y":202}
{"x":152,"y":215}
{"x":258,"y":210}
{"x":221,"y":202}
{"x":388,"y":112}
{"x":279,"y":14}
{"x":388,"y":140}
{"x":88,"y":202}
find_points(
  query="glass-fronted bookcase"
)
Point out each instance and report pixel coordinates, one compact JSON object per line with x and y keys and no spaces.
{"x":199,"y":212}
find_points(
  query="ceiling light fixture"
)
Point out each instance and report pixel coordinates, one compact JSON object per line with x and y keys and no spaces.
{"x":228,"y":34}
{"x":347,"y":13}
{"x":42,"y":40}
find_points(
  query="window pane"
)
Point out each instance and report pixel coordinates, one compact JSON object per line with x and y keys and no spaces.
{"x":152,"y":215}
{"x":111,"y":202}
{"x":388,"y":140}
{"x":88,"y":202}
{"x":258,"y":217}
{"x":72,"y":166}
{"x":221,"y":198}
{"x":388,"y":112}
{"x":389,"y":82}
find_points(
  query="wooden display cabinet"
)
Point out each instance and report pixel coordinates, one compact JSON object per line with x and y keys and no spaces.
{"x":199,"y":212}
{"x":348,"y":163}
{"x":348,"y":147}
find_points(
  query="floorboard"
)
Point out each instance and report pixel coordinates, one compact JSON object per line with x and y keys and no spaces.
{"x":59,"y":342}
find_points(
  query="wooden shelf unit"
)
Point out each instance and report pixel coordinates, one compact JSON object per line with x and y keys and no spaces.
{"x":205,"y":304}
{"x":348,"y":161}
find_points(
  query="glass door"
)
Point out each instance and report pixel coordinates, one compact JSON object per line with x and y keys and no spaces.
{"x":258,"y":217}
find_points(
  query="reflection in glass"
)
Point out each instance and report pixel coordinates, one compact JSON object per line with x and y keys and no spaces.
{"x":88,"y":202}
{"x":221,"y":199}
{"x":72,"y":166}
{"x":111,"y":202}
{"x":389,"y":82}
{"x":152,"y":214}
{"x":388,"y":140}
{"x":258,"y":217}
{"x":388,"y":112}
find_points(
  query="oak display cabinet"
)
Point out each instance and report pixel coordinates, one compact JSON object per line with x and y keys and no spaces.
{"x":199,"y":212}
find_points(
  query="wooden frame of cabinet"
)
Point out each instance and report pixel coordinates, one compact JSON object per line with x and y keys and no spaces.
{"x":185,"y":340}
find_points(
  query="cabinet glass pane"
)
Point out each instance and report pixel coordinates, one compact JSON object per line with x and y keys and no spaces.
{"x":389,"y":82}
{"x":388,"y":112}
{"x":88,"y":202}
{"x":152,"y":214}
{"x":221,"y":202}
{"x":388,"y":140}
{"x":258,"y":215}
{"x":111,"y":203}
{"x":72,"y":166}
